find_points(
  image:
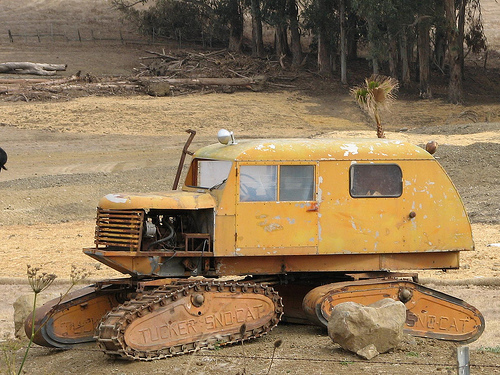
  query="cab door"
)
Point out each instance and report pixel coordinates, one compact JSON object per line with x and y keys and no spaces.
{"x":276,"y":209}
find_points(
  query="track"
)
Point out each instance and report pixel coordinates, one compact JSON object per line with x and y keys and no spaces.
{"x":185,"y":317}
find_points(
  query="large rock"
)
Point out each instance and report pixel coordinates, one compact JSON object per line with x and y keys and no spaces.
{"x":354,"y":326}
{"x":23,"y":306}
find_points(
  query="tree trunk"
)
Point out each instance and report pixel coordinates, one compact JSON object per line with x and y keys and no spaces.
{"x":455,"y":94}
{"x":373,"y":52}
{"x":343,"y":44}
{"x":235,"y":27}
{"x":257,"y":40}
{"x":280,"y":31}
{"x":324,"y":63}
{"x":423,"y":42}
{"x":461,"y":27}
{"x":380,"y":130}
{"x":440,"y":37}
{"x":405,"y":61}
{"x":393,"y":57}
{"x":280,"y":40}
{"x":296,"y":47}
{"x":352,"y":35}
{"x":375,"y":67}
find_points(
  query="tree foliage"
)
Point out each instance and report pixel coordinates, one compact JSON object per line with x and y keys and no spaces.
{"x":402,"y":37}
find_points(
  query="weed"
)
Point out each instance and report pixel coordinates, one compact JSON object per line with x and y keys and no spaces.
{"x":9,"y":347}
{"x":277,"y":344}
{"x":489,"y":349}
{"x":40,"y":282}
{"x":412,"y":354}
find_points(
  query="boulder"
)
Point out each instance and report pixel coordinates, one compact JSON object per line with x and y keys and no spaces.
{"x":23,"y":306}
{"x":354,"y":326}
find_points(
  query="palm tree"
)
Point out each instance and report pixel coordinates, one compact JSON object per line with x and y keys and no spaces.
{"x":376,"y":93}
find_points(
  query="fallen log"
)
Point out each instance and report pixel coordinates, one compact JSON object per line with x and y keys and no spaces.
{"x":254,"y":83}
{"x":16,"y":81}
{"x":31,"y":68}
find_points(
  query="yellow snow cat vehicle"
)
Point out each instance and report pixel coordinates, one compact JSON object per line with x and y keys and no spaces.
{"x":265,"y":230}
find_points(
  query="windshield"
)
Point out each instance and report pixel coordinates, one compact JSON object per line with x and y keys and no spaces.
{"x":212,"y":173}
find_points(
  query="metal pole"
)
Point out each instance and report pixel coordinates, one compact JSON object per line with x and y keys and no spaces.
{"x":185,"y":151}
{"x":463,"y":360}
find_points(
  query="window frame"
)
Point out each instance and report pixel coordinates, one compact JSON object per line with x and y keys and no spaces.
{"x":278,"y":181}
{"x":374,"y":195}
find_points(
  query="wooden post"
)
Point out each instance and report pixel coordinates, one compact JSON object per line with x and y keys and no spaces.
{"x":10,"y":37}
{"x":38,"y":35}
{"x":463,"y":360}
{"x":79,"y":36}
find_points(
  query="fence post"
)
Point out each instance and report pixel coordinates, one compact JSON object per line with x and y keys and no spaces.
{"x":79,"y":36}
{"x":463,"y":360}
{"x":10,"y":37}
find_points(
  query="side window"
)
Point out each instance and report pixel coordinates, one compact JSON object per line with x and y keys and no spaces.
{"x":376,"y":180}
{"x":258,"y":183}
{"x":296,"y":183}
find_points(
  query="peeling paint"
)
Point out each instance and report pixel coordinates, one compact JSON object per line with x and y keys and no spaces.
{"x":349,"y":148}
{"x":116,"y":198}
{"x":273,"y":227}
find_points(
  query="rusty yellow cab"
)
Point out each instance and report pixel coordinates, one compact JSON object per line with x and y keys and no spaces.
{"x":266,"y":207}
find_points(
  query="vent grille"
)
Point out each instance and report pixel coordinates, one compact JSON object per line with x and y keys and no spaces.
{"x":119,"y":228}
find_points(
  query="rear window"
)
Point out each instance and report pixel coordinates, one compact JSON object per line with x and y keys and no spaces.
{"x":376,"y":180}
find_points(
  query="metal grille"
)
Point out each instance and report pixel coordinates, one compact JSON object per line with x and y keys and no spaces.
{"x":119,"y":228}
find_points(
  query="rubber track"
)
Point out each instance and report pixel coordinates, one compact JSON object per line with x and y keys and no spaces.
{"x":111,"y":329}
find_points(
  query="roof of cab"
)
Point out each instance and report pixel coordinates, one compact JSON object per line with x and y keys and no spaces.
{"x":313,"y":149}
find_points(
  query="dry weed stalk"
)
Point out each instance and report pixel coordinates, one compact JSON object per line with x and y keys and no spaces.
{"x":40,"y":282}
{"x":277,"y":344}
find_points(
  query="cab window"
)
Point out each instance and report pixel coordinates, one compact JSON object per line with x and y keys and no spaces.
{"x":211,"y":173}
{"x":296,"y":182}
{"x":376,"y":180}
{"x":261,"y":183}
{"x":258,"y":183}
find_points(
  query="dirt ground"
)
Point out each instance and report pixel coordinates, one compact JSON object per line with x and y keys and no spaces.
{"x":65,"y":155}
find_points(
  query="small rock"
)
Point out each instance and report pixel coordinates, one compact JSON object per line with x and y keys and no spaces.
{"x":23,"y":307}
{"x":158,"y":88}
{"x":368,"y":352}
